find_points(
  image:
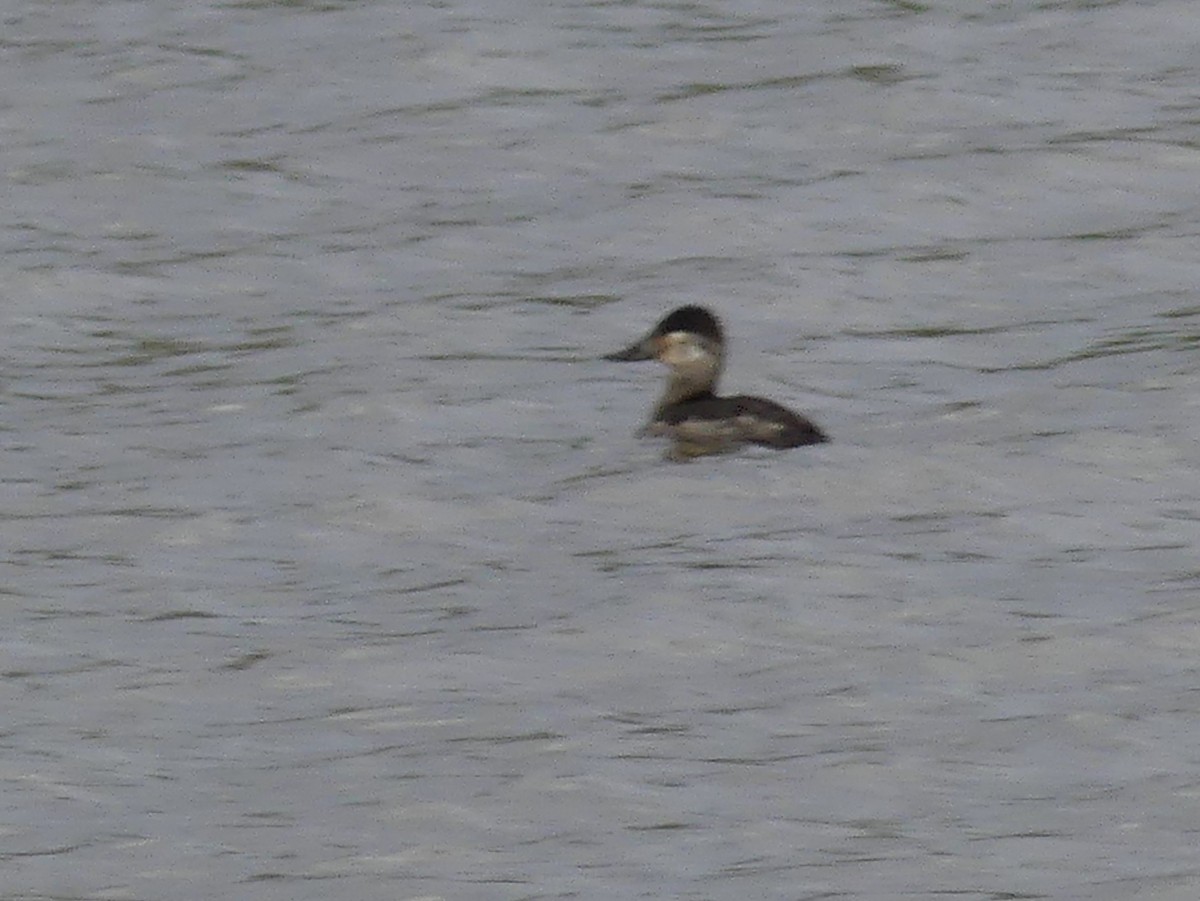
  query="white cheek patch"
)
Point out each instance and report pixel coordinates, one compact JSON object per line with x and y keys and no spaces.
{"x":682,"y":350}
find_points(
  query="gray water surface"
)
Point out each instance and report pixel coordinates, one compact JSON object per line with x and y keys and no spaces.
{"x":333,"y":568}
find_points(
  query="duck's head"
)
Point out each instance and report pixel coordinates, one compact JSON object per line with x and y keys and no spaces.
{"x":690,"y":342}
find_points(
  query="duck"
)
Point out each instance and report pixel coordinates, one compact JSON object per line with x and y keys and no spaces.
{"x":691,"y":343}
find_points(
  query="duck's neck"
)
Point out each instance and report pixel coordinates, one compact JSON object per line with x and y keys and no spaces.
{"x":687,"y":386}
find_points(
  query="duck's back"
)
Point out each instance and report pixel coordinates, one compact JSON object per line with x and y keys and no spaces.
{"x":753,"y":419}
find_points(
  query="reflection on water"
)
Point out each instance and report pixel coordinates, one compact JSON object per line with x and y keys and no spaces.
{"x":334,"y":564}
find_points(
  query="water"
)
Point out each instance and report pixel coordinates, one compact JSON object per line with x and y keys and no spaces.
{"x":333,"y":568}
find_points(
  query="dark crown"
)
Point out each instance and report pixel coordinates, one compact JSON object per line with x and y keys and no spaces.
{"x":696,"y":320}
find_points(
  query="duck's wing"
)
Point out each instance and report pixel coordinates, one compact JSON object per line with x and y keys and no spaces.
{"x":727,"y":421}
{"x":766,"y":422}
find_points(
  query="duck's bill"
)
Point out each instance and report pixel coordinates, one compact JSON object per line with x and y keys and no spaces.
{"x":639,"y":350}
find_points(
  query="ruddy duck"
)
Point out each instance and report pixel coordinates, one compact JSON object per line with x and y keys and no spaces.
{"x":689,"y":341}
